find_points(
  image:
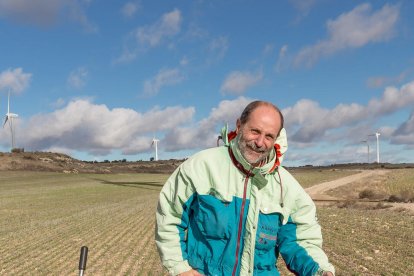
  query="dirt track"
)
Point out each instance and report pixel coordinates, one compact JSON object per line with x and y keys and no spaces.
{"x":318,"y":192}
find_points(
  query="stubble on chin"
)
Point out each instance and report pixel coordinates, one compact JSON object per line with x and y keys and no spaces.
{"x":245,"y":148}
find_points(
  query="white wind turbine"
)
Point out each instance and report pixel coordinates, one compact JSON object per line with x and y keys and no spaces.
{"x":155,"y":144}
{"x":377,"y":134}
{"x":9,"y":118}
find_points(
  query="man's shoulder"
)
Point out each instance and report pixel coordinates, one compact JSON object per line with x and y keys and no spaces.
{"x":209,"y":154}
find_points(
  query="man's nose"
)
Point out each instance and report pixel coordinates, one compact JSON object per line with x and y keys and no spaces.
{"x":260,"y":141}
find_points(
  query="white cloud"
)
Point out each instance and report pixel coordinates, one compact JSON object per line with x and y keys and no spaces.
{"x":41,"y":12}
{"x":150,"y":36}
{"x":167,"y":26}
{"x":238,"y":82}
{"x":165,"y":77}
{"x":93,"y":128}
{"x":77,"y":78}
{"x":129,"y":9}
{"x":45,"y":12}
{"x":204,"y":133}
{"x":16,"y":80}
{"x":309,"y":122}
{"x":353,"y":30}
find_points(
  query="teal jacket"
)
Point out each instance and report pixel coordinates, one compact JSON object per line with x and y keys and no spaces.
{"x":223,"y":219}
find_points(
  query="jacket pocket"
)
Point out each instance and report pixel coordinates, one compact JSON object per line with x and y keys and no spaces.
{"x":212,"y":217}
{"x":267,"y":231}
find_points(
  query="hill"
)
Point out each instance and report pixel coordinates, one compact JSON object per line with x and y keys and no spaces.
{"x":58,"y":162}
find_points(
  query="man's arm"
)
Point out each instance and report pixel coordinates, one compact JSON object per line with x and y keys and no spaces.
{"x":300,"y":241}
{"x":172,"y":221}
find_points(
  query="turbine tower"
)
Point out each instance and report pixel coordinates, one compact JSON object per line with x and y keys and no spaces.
{"x":377,"y":134}
{"x":155,"y":144}
{"x":366,"y":141}
{"x":9,"y":118}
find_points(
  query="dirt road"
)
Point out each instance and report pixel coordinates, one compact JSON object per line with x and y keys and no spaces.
{"x":318,"y":192}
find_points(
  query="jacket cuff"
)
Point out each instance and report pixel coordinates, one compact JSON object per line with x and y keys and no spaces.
{"x":180,"y":267}
{"x":321,"y":271}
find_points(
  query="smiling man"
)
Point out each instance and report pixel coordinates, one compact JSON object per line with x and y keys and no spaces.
{"x":232,"y":210}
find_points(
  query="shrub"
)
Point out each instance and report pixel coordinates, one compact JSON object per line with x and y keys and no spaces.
{"x":407,"y":196}
{"x":395,"y":198}
{"x":367,"y":193}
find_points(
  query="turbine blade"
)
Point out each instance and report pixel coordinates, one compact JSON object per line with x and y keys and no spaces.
{"x":5,"y":120}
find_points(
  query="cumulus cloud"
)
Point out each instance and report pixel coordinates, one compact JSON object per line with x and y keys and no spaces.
{"x":96,"y":129}
{"x":45,"y":12}
{"x":309,"y":122}
{"x":165,"y":77}
{"x":77,"y":78}
{"x":204,"y":133}
{"x":129,"y":9}
{"x":15,"y":80}
{"x":404,"y":134}
{"x":354,"y":29}
{"x":238,"y":82}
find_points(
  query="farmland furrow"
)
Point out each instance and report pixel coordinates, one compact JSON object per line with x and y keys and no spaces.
{"x":111,"y":240}
{"x":146,"y":232}
{"x":136,"y":238}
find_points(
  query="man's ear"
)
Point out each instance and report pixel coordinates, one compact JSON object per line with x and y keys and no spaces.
{"x":238,"y":124}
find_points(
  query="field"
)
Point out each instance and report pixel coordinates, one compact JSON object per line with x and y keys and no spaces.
{"x":46,"y":217}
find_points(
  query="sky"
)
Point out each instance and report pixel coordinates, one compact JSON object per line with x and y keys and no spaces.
{"x":98,"y":80}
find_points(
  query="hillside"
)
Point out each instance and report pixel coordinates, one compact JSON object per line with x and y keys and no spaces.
{"x":58,"y":162}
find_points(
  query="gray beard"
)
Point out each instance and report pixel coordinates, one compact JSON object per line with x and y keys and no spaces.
{"x":244,"y":147}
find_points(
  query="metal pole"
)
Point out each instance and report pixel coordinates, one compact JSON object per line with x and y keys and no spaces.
{"x":82,"y":259}
{"x":378,"y":159}
{"x":365,"y":141}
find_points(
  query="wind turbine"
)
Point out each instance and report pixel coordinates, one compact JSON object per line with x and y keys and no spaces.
{"x":10,"y":117}
{"x":155,"y":144}
{"x":366,"y":141}
{"x":377,"y":134}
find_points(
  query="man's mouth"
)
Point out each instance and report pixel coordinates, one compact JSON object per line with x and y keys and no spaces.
{"x":255,"y":149}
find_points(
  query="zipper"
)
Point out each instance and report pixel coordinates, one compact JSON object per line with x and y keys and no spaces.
{"x":240,"y":228}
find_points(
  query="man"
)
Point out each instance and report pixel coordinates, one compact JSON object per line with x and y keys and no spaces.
{"x":233,"y":209}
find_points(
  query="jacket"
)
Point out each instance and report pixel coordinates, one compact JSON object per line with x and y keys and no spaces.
{"x":219,"y":216}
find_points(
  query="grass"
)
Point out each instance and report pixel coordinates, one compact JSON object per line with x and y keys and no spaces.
{"x":399,"y":182}
{"x":45,"y":218}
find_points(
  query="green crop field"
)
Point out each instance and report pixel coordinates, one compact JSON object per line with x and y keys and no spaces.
{"x":45,"y":218}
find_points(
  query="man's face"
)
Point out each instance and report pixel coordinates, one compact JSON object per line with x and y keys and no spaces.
{"x":258,"y":135}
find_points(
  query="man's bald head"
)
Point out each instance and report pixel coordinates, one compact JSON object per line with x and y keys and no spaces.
{"x":244,"y":117}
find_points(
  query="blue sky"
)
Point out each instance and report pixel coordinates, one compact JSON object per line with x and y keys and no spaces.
{"x":99,"y":79}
